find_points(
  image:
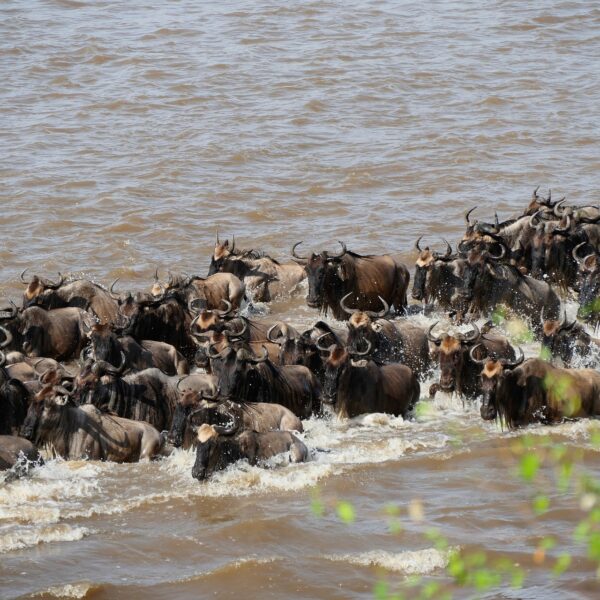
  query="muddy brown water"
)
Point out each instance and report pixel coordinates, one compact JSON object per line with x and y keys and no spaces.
{"x":130,"y":131}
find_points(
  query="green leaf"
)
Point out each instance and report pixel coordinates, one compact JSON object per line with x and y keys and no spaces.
{"x":430,"y":589}
{"x":484,"y":579}
{"x":594,"y":545}
{"x":562,"y":564}
{"x":547,"y":543}
{"x":564,"y":478}
{"x":517,"y":578}
{"x":541,"y":504}
{"x":345,"y":512}
{"x":380,"y":590}
{"x":530,"y":463}
{"x":581,"y":531}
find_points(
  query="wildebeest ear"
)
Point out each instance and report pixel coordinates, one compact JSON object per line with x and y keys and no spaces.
{"x":376,"y":326}
{"x":341,"y":270}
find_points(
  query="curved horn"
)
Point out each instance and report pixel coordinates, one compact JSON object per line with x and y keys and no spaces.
{"x":348,"y":311}
{"x":63,"y":391}
{"x":448,"y":249}
{"x":329,"y":256}
{"x":433,"y":339}
{"x":23,"y":274}
{"x":179,"y":382}
{"x":463,"y":247}
{"x":577,"y":258}
{"x":565,"y":325}
{"x":211,"y":353}
{"x":232,"y":244}
{"x":471,"y":337}
{"x":231,"y":429}
{"x":171,"y":280}
{"x":381,"y":313}
{"x":363,"y":352}
{"x":516,"y":362}
{"x":294,"y":252}
{"x":2,"y":358}
{"x":496,"y":221}
{"x":111,"y":290}
{"x":53,"y":285}
{"x":193,"y":309}
{"x":478,"y":361}
{"x":241,"y":333}
{"x":8,"y":337}
{"x":500,"y":256}
{"x":318,"y":343}
{"x":417,"y":247}
{"x":467,"y":214}
{"x":156,"y":274}
{"x":260,"y":359}
{"x":556,"y":210}
{"x":213,"y":397}
{"x":228,"y":308}
{"x":534,"y":196}
{"x":269,"y":334}
{"x":218,"y":236}
{"x":532,"y":219}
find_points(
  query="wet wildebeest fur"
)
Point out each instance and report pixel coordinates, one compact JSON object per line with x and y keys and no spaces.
{"x":219,"y":447}
{"x":18,"y":454}
{"x":568,"y":342}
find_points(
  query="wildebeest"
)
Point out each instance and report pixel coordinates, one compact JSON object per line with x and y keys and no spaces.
{"x":487,"y":283}
{"x":589,"y":289}
{"x":194,"y":408}
{"x":459,"y":373}
{"x":106,"y":345}
{"x":266,"y":279}
{"x":147,"y":395}
{"x":537,"y":392}
{"x":355,"y":385}
{"x":390,"y":341}
{"x":249,"y":378}
{"x":366,"y":278}
{"x":568,"y":341}
{"x":218,"y":448}
{"x":80,"y":293}
{"x":74,"y":432}
{"x":204,"y":292}
{"x":18,"y":453}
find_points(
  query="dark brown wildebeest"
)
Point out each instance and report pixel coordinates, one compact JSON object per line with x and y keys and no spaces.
{"x":220,"y":447}
{"x":568,"y":341}
{"x":537,"y":392}
{"x":390,"y":341}
{"x":147,"y":395}
{"x":80,"y":293}
{"x":204,"y":292}
{"x":75,"y":433}
{"x":589,"y":289}
{"x":366,"y":278}
{"x":58,"y":333}
{"x":14,"y":400}
{"x":266,"y":279}
{"x":355,"y":385}
{"x":106,"y":345}
{"x":18,"y":454}
{"x":194,"y":409}
{"x":487,"y":282}
{"x":458,"y":371}
{"x":248,"y":378}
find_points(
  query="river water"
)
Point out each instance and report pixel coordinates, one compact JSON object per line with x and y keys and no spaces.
{"x":130,"y":132}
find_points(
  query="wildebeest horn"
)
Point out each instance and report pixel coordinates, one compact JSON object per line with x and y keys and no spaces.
{"x":433,"y":339}
{"x":12,"y":310}
{"x":53,"y":285}
{"x":565,"y":229}
{"x":565,"y":325}
{"x":232,"y":244}
{"x":556,"y":210}
{"x":446,"y":256}
{"x":231,"y":429}
{"x":302,"y":258}
{"x":471,"y":337}
{"x":496,"y":222}
{"x":500,"y":256}
{"x":213,"y":397}
{"x":192,"y":308}
{"x":218,"y":236}
{"x":260,"y":359}
{"x":463,"y":247}
{"x":318,"y":343}
{"x":514,"y":363}
{"x":270,"y":332}
{"x":478,"y":361}
{"x":532,"y":219}
{"x":381,"y":313}
{"x":577,"y":258}
{"x":362,"y":352}
{"x":23,"y":274}
{"x":7,"y":337}
{"x":242,"y":332}
{"x":211,"y":353}
{"x":417,"y":247}
{"x":101,"y":366}
{"x":330,"y":256}
{"x":63,"y":391}
{"x":228,"y":308}
{"x":349,"y":311}
{"x":170,"y":282}
{"x":111,"y":290}
{"x":156,"y":274}
{"x":2,"y":358}
{"x":467,"y":214}
{"x":179,"y":383}
{"x":534,"y":196}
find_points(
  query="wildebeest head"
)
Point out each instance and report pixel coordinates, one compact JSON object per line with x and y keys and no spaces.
{"x":220,"y":254}
{"x":475,"y":267}
{"x":323,"y":269}
{"x":338,"y":359}
{"x":557,"y":338}
{"x":216,"y":449}
{"x":295,"y":349}
{"x":589,"y":293}
{"x":37,"y":286}
{"x":453,"y":355}
{"x":362,"y":325}
{"x":92,"y":372}
{"x":44,"y":412}
{"x":237,"y":378}
{"x":424,"y":263}
{"x":540,"y":203}
{"x":492,"y":372}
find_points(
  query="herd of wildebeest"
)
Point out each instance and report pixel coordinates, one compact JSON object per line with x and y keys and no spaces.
{"x":90,"y":372}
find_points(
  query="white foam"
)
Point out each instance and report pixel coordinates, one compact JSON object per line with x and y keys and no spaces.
{"x":17,"y":539}
{"x":414,"y":562}
{"x":69,"y":590}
